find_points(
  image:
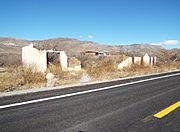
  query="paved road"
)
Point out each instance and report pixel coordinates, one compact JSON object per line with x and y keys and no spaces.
{"x":126,"y":108}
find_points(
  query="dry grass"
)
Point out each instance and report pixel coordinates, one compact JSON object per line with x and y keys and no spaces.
{"x":105,"y":68}
{"x":19,"y":78}
{"x":64,"y":77}
{"x":144,"y":70}
{"x":16,"y":78}
{"x":68,"y":78}
{"x":102,"y":69}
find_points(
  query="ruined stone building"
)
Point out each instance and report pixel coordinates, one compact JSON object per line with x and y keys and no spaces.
{"x":145,"y":60}
{"x":149,"y":60}
{"x":38,"y":60}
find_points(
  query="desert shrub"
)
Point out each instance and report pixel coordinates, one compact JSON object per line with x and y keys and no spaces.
{"x":101,"y":68}
{"x":55,"y":69}
{"x":10,"y":59}
{"x":30,"y":77}
{"x":85,"y":59}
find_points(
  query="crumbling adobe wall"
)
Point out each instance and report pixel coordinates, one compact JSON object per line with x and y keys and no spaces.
{"x":63,"y":60}
{"x":33,"y":58}
{"x":138,"y":60}
{"x":126,"y":63}
{"x":74,"y":64}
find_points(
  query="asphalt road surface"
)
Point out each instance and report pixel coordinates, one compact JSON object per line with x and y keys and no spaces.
{"x":125,"y":108}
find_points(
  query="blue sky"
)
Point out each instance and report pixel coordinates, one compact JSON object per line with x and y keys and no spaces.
{"x":104,"y":21}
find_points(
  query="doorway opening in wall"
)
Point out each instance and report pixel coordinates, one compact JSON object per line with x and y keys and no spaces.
{"x":53,"y":61}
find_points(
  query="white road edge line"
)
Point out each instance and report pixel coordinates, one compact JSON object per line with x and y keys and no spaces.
{"x":83,"y":92}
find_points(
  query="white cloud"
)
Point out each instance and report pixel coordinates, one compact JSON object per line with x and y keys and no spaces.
{"x":90,"y":36}
{"x":167,"y":43}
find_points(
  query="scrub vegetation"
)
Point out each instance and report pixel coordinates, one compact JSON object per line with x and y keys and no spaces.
{"x":17,"y":78}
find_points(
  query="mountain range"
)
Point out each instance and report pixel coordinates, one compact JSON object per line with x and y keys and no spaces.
{"x":11,"y":47}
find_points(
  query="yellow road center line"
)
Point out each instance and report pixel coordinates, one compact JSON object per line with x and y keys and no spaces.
{"x":167,"y":110}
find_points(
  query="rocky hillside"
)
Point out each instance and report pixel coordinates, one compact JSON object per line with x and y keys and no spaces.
{"x":70,"y":46}
{"x":140,"y":49}
{"x":174,"y":54}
